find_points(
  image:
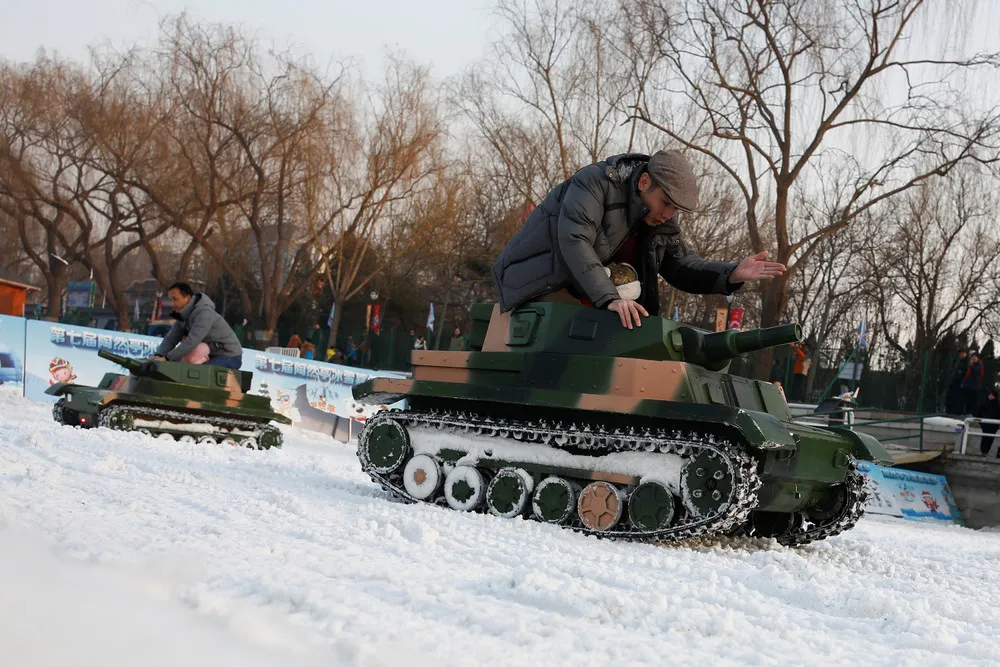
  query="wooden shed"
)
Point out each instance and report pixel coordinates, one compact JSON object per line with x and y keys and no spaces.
{"x":13,"y":296}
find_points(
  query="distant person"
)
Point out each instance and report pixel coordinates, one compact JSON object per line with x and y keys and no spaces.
{"x":317,"y":337}
{"x":199,"y":335}
{"x":972,"y":382}
{"x":458,"y":341}
{"x":351,"y":352}
{"x":954,"y":402}
{"x":294,"y":341}
{"x":989,"y":409}
{"x":420,"y":344}
{"x":307,"y":350}
{"x":800,"y":371}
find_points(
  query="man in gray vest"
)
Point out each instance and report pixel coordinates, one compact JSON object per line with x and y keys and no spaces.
{"x":589,"y":226}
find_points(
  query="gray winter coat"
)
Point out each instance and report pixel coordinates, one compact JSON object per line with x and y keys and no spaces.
{"x":199,"y":322}
{"x":581,"y":225}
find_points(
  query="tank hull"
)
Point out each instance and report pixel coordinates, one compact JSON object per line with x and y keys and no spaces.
{"x":796,"y":483}
{"x":170,"y":409}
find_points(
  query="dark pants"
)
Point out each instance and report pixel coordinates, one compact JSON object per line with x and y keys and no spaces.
{"x":971,"y":399}
{"x":987,"y":442}
{"x":798,"y":388}
{"x":227,"y":362}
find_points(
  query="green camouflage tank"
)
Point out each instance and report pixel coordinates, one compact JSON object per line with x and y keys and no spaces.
{"x":169,"y":399}
{"x":560,"y":414}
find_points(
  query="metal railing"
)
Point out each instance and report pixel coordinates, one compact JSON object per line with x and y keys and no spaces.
{"x":969,"y":421}
{"x":850,"y":423}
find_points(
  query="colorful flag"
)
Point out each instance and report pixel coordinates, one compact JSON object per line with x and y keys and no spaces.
{"x":677,"y":314}
{"x":329,"y":320}
{"x":377,"y":319}
{"x":430,"y":319}
{"x":863,"y":332}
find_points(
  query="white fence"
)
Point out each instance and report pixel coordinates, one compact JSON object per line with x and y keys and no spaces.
{"x":286,"y":351}
{"x":969,"y":431}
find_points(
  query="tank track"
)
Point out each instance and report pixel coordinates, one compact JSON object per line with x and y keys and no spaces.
{"x":845,"y":519}
{"x":598,"y":440}
{"x":265,"y":436}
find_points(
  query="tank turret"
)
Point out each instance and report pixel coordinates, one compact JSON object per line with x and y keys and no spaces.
{"x":171,"y":399}
{"x":559,"y":413}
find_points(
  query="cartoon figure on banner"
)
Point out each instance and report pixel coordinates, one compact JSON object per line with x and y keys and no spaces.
{"x":282,"y":403}
{"x":60,"y":370}
{"x":930,"y":501}
{"x":906,"y":494}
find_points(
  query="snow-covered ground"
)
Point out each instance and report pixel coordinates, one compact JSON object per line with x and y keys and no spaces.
{"x":117,"y":549}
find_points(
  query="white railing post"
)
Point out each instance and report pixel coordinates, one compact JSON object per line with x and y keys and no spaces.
{"x":967,"y":431}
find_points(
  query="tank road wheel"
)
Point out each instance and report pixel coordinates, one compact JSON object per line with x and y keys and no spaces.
{"x":269,"y":437}
{"x":706,"y":483}
{"x":117,"y":419}
{"x":600,"y":506}
{"x":169,"y":437}
{"x":508,"y":493}
{"x":422,"y":477}
{"x":554,"y":500}
{"x":250,"y":443}
{"x":187,"y":439}
{"x":207,"y":440}
{"x":651,"y":506}
{"x":384,"y":445}
{"x":464,"y":488}
{"x":145,"y":431}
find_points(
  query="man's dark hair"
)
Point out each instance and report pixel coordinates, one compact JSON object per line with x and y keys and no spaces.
{"x":183,"y":288}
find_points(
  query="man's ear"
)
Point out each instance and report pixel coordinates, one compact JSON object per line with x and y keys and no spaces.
{"x":644,"y":181}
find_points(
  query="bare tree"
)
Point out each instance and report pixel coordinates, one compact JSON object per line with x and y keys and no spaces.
{"x":550,"y":98}
{"x":934,"y":262}
{"x":775,"y":92}
{"x":43,"y":176}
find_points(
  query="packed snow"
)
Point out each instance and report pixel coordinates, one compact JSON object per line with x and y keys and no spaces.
{"x":120,"y":549}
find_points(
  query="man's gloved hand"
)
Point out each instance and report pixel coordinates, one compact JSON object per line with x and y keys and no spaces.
{"x":147,"y":367}
{"x":629,"y":311}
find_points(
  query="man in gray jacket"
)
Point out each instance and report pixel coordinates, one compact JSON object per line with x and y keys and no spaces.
{"x":593,"y":220}
{"x":206,"y":336}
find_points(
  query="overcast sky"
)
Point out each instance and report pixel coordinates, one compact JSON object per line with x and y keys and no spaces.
{"x":446,"y":34}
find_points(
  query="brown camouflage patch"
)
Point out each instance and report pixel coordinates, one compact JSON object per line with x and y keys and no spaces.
{"x":498,"y":331}
{"x":655,"y":380}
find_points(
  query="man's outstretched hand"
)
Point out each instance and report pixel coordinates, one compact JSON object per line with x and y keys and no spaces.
{"x":755,"y":268}
{"x":628,"y":311}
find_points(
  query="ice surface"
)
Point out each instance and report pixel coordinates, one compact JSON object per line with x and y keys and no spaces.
{"x":119,"y":549}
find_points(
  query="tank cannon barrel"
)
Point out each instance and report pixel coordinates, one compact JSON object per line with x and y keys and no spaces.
{"x":728,"y":344}
{"x":131,"y":365}
{"x":715,"y":350}
{"x":147,"y":368}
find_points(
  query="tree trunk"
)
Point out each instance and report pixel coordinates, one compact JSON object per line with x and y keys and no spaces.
{"x":773,"y":307}
{"x":55,"y":282}
{"x":124,"y":321}
{"x":331,"y":341}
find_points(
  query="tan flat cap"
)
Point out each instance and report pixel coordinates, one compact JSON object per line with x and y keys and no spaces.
{"x":671,"y":171}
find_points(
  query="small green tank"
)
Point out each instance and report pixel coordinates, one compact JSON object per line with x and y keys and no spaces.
{"x":169,"y":399}
{"x":560,"y":414}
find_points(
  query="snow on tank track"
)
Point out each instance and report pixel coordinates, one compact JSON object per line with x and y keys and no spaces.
{"x":655,"y":455}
